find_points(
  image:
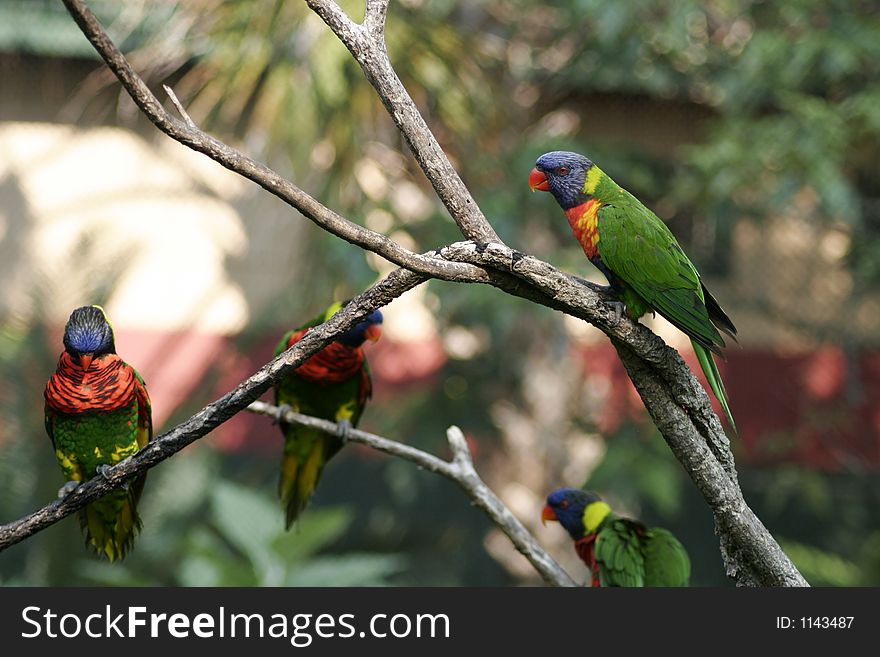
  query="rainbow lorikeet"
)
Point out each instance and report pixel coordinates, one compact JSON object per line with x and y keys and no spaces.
{"x":333,"y":384}
{"x":646,"y":268}
{"x":618,"y":551}
{"x":97,"y":414}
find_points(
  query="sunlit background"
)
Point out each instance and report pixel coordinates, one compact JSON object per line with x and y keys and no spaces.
{"x":752,"y":128}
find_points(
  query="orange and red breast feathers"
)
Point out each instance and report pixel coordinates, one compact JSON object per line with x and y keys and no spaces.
{"x":109,"y":384}
{"x":586,"y":550}
{"x":584,"y":223}
{"x":334,"y":363}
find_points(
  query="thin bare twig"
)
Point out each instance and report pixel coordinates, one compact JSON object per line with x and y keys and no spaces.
{"x":461,"y":470}
{"x":180,"y":108}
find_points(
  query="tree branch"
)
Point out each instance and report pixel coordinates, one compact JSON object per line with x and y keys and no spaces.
{"x":215,"y":413}
{"x":671,"y":393}
{"x":460,"y":470}
{"x":375,"y":13}
{"x":751,"y":554}
{"x":367,"y":46}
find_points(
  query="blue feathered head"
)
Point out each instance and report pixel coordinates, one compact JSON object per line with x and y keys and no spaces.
{"x":87,"y":334}
{"x":369,"y":328}
{"x":562,"y":173}
{"x":567,"y":505}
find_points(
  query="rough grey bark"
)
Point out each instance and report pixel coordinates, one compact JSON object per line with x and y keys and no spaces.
{"x":671,"y":393}
{"x":460,"y":470}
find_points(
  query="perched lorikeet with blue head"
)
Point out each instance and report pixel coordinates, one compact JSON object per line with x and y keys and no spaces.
{"x":618,"y":551}
{"x":646,"y":268}
{"x":97,"y":414}
{"x":333,"y":384}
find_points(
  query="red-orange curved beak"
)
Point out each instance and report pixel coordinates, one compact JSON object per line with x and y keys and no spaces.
{"x":373,"y":332}
{"x":547,"y":514}
{"x":537,"y":180}
{"x":85,"y":360}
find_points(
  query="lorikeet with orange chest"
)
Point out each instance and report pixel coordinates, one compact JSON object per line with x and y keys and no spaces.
{"x":97,"y":414}
{"x":333,"y":384}
{"x":618,"y":551}
{"x":646,"y":268}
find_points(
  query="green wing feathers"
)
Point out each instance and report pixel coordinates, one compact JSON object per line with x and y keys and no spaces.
{"x":111,"y":522}
{"x":644,"y":254}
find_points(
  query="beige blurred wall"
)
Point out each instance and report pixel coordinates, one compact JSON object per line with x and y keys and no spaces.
{"x":155,"y":225}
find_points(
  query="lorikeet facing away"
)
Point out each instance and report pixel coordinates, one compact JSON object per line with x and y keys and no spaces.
{"x":333,"y":384}
{"x":645,"y":266}
{"x":97,"y":414}
{"x":618,"y":551}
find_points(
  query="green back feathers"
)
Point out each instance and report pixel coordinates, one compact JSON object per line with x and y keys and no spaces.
{"x":666,"y":561}
{"x":628,"y":554}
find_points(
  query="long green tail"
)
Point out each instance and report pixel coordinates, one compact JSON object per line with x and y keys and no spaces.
{"x":111,"y":522}
{"x":301,"y":466}
{"x":713,"y":376}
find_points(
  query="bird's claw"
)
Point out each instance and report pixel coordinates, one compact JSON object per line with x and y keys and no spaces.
{"x":343,"y":430}
{"x":283,"y":410}
{"x":103,"y":470}
{"x":67,"y":489}
{"x":619,"y":310}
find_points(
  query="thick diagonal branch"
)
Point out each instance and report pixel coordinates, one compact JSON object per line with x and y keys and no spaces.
{"x":460,"y":470}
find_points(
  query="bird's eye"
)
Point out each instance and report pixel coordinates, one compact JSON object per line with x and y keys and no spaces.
{"x":564,"y":503}
{"x":561,"y":171}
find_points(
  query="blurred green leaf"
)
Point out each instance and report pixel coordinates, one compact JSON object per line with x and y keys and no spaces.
{"x":246,"y":519}
{"x":348,"y":570}
{"x":821,"y":568}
